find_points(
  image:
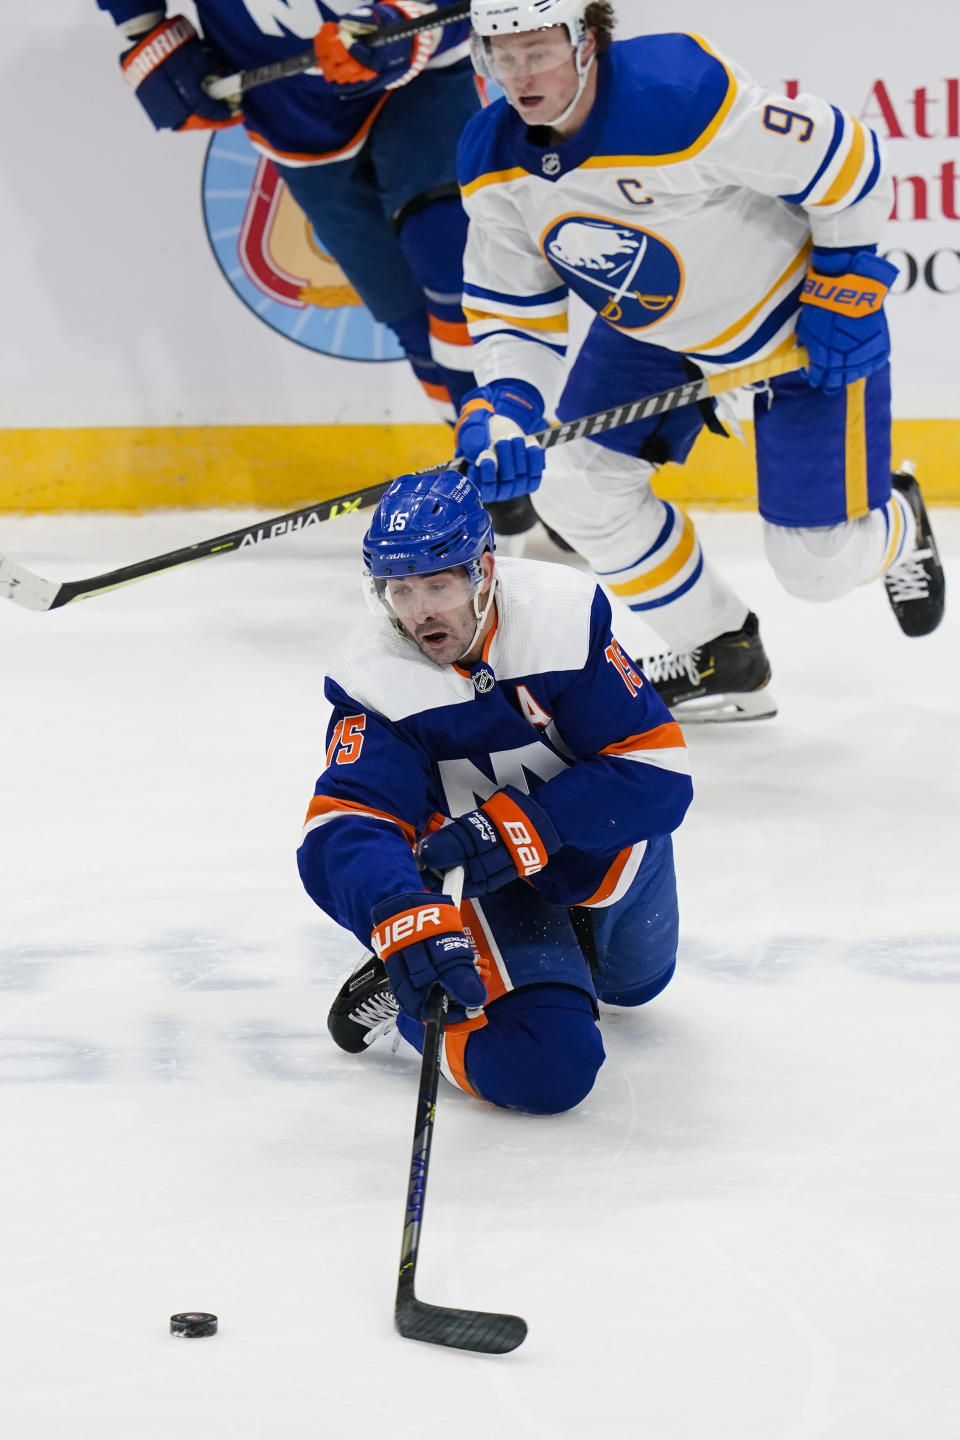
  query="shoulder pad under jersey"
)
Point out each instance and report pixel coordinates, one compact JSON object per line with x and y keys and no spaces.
{"x":669,"y":96}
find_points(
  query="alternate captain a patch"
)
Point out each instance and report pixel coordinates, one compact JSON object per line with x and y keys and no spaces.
{"x":631,"y":277}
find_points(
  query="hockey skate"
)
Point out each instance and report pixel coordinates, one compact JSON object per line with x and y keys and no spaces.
{"x":915,"y":586}
{"x":364,"y":1009}
{"x":723,"y":679}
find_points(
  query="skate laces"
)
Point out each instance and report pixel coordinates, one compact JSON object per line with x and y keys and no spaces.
{"x":908,"y":579}
{"x":384,"y":1028}
{"x":378,"y":1013}
{"x":671,"y":666}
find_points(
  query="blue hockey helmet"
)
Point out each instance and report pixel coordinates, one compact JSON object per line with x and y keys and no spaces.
{"x":426,"y":523}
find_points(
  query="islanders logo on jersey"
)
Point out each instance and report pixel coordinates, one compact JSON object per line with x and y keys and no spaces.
{"x":629,"y":276}
{"x":271,"y":257}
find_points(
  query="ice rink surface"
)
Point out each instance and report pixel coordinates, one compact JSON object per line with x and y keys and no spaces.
{"x":747,"y":1232}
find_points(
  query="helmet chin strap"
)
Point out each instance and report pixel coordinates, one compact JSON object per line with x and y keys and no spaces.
{"x":480,"y":614}
{"x":583,"y":70}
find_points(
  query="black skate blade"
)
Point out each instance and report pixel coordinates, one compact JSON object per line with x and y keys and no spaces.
{"x":481,"y":1331}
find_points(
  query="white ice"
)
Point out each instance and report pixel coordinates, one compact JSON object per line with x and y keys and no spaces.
{"x":747,"y":1232}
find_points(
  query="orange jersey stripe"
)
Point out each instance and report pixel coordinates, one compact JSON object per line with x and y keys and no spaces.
{"x":325,"y":804}
{"x":306,"y":157}
{"x":485,"y":652}
{"x":452,"y":331}
{"x":609,"y":882}
{"x":663,"y":737}
{"x":455,"y":1041}
{"x":437,"y":392}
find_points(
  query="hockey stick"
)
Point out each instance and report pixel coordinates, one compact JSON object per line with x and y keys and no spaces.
{"x":26,"y":588}
{"x":478,"y":1330}
{"x":231,"y":87}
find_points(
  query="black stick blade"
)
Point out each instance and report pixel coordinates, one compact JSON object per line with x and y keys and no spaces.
{"x":477,"y":1330}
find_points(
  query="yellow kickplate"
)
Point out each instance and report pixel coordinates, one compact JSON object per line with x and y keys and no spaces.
{"x":283,"y":466}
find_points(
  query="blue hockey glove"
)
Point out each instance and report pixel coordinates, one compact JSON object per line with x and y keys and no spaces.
{"x":509,"y":836}
{"x":492,"y":433}
{"x":166,"y":69}
{"x":363,"y":69}
{"x":841,"y":320}
{"x":422,"y":943}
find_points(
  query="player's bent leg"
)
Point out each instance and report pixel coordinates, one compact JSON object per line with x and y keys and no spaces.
{"x":535,"y":1047}
{"x":644,"y":550}
{"x":539,"y":1052}
{"x":634,"y":939}
{"x":647,"y":552}
{"x":432,"y":229}
{"x":597,"y":495}
{"x":413,"y":152}
{"x":346,"y":215}
{"x":823,"y":563}
{"x":834,"y":519}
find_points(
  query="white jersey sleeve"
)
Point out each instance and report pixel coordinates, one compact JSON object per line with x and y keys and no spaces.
{"x":806,"y":152}
{"x":514,"y":302}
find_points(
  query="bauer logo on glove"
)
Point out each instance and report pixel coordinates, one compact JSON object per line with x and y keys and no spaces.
{"x":413,"y":924}
{"x":422,"y":943}
{"x":510,"y":837}
{"x":846,"y":295}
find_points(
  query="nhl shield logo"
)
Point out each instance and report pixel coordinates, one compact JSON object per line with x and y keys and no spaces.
{"x":273,"y":261}
{"x":483,"y":678}
{"x":550,"y":163}
{"x":631,"y":277}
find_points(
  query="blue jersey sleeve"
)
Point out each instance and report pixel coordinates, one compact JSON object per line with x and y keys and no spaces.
{"x":632,"y":780}
{"x":124,"y":10}
{"x":370,"y":805}
{"x":453,"y":34}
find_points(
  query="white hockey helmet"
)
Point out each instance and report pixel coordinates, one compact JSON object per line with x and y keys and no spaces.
{"x":510,"y":17}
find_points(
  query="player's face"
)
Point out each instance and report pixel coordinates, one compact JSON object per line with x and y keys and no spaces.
{"x":537,"y":72}
{"x":437,"y":611}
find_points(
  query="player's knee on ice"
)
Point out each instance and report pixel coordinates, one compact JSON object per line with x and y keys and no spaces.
{"x":540,"y":1052}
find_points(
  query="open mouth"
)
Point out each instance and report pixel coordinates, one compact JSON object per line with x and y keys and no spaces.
{"x":529,"y":102}
{"x":433,"y":639}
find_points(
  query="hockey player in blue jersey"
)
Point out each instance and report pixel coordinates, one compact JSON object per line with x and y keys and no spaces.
{"x":708,"y":223}
{"x":485,"y":716}
{"x":366,"y":144}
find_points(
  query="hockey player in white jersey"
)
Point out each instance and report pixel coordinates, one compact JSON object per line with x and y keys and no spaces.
{"x":485,"y":716}
{"x":709,"y":223}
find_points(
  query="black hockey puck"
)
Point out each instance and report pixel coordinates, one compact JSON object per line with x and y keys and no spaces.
{"x":193,"y":1323}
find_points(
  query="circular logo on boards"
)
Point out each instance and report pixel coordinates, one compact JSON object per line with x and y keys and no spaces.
{"x":629,"y":276}
{"x":273,"y":261}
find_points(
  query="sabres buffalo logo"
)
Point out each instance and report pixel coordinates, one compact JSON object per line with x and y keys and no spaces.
{"x":273,"y":261}
{"x":629,"y":276}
